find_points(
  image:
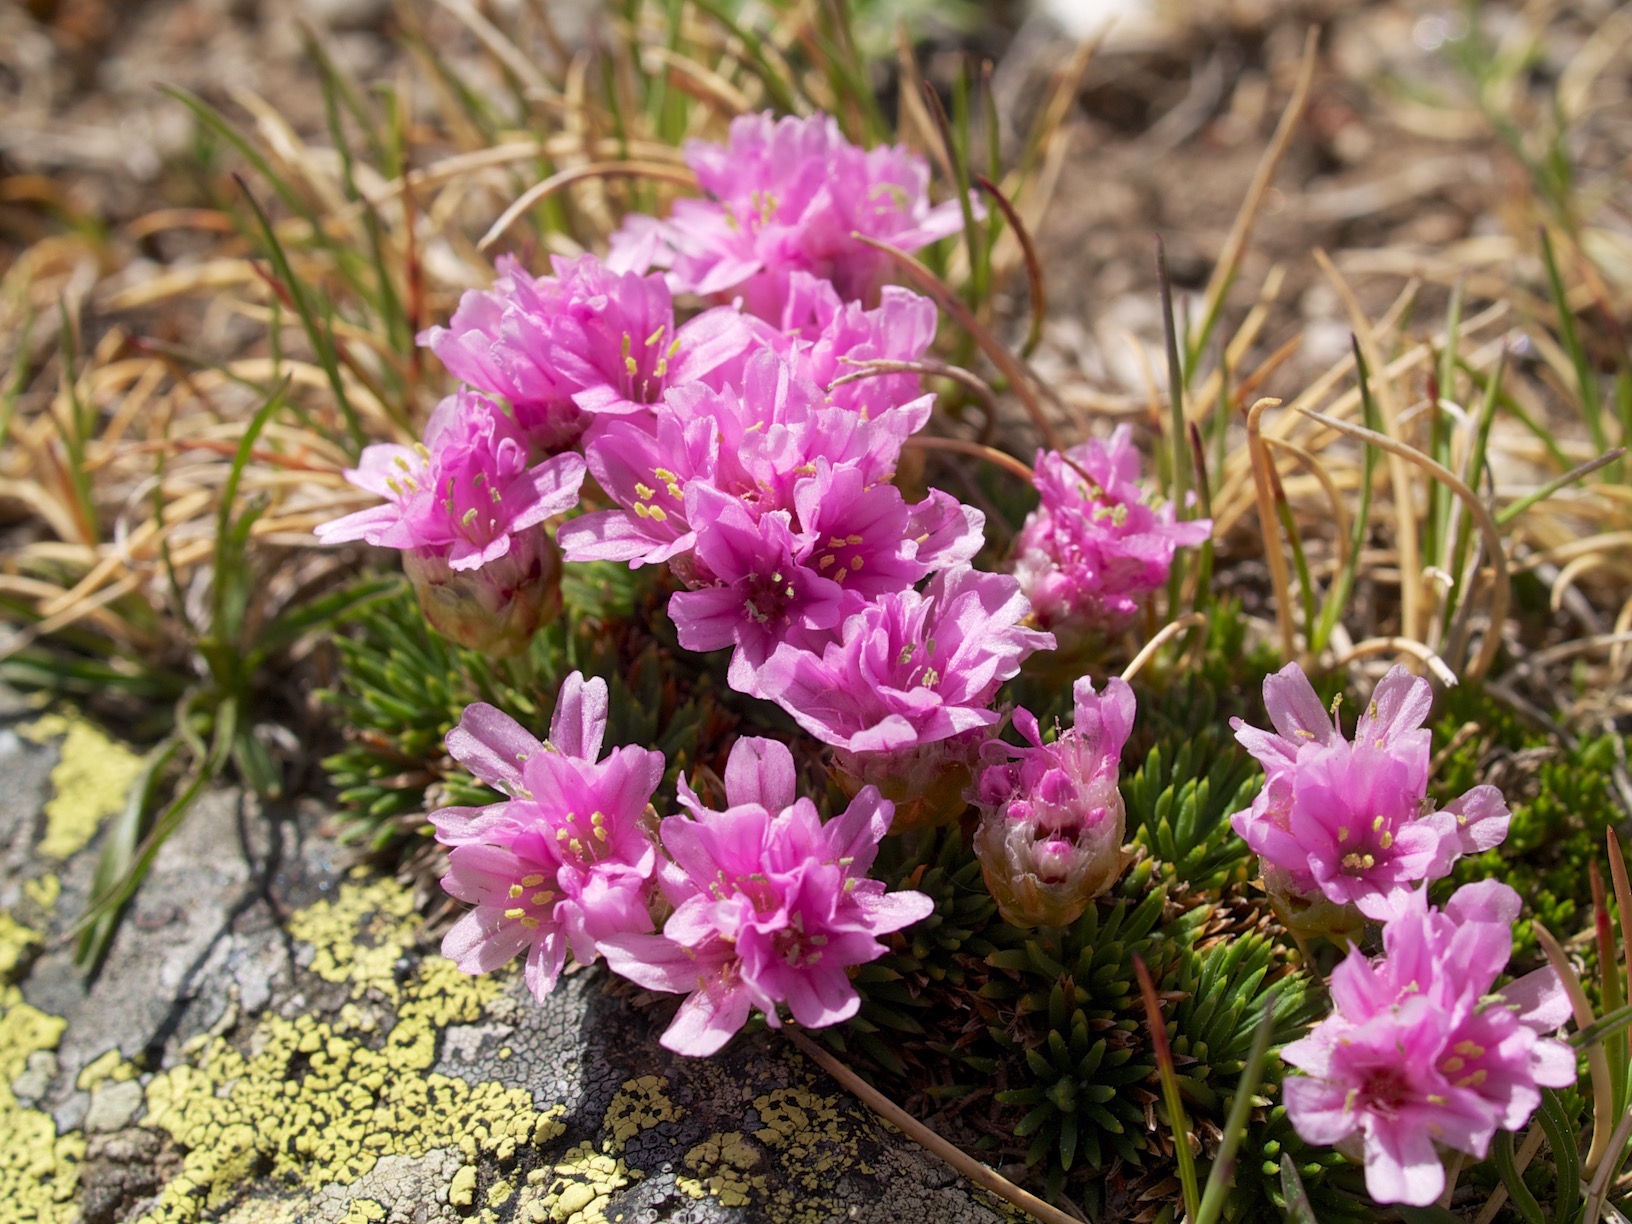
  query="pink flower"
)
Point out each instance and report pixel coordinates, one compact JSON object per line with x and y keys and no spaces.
{"x":1050,"y":838}
{"x":583,"y":340}
{"x":771,"y":905}
{"x":567,"y":860}
{"x":761,"y":594}
{"x":468,"y":512}
{"x":785,"y":195}
{"x":645,"y":468}
{"x":1351,"y":822}
{"x":465,"y":494}
{"x":1094,"y":548}
{"x":1418,"y":1052}
{"x":909,"y":668}
{"x":829,"y":339}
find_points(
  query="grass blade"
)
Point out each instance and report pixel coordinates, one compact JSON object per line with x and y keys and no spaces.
{"x":1222,"y":1175}
{"x":1170,"y":1090}
{"x":1586,"y":382}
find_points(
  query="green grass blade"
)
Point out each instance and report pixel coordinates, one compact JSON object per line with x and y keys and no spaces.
{"x":1586,"y":382}
{"x":119,"y":852}
{"x":1517,"y":1192}
{"x":321,"y":341}
{"x":1338,"y":597}
{"x":1222,"y":1175}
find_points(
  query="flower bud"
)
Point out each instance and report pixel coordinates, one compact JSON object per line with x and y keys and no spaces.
{"x":1050,"y":837}
{"x":495,"y":609}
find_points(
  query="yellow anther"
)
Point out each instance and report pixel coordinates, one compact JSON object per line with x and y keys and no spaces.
{"x":530,"y":923}
{"x":562,"y":834}
{"x":1342,"y":833}
{"x":515,"y":891}
{"x":674,"y":490}
{"x":659,"y":515}
{"x":644,"y":491}
{"x":600,"y":833}
{"x":1452,"y":1065}
{"x":576,"y":846}
{"x":1386,"y":840}
{"x":391,"y":483}
{"x":631,"y":365}
{"x":1368,"y":861}
{"x":664,"y":474}
{"x":824,"y":561}
{"x":468,"y":517}
{"x":402,"y":463}
{"x":852,"y":539}
{"x":515,"y":912}
{"x":1473,"y":1080}
{"x":642,"y":511}
{"x":1469,"y":1049}
{"x":1376,"y":824}
{"x":657,"y":335}
{"x":533,"y":880}
{"x":542,"y":897}
{"x":855,"y":563}
{"x":421,"y":450}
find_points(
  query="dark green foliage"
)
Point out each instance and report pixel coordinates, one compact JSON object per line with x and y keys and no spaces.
{"x":402,"y":687}
{"x":1179,"y":804}
{"x":1562,"y":798}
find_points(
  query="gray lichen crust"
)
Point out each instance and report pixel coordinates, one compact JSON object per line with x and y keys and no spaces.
{"x":273,"y":1038}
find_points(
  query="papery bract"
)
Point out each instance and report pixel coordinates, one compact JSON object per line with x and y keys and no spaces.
{"x":1418,"y":1052}
{"x":468,"y":511}
{"x":1352,"y":821}
{"x":771,"y":905}
{"x":785,"y":195}
{"x":1050,"y":836}
{"x":1094,"y":547}
{"x":567,"y":860}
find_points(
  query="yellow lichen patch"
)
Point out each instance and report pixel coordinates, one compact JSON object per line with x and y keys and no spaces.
{"x":15,"y":941}
{"x":109,"y":1066}
{"x":363,"y":1211}
{"x":808,"y":1134}
{"x":38,"y":1168}
{"x":89,"y":784}
{"x":720,"y":1164}
{"x":575,"y":1190}
{"x":639,"y":1105}
{"x":360,"y":935}
{"x":316,"y":1102}
{"x":43,"y":891}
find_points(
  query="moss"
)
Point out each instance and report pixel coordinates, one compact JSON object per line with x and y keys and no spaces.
{"x":90,"y":782}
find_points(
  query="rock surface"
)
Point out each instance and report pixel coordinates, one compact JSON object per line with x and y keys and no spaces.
{"x":273,"y":1038}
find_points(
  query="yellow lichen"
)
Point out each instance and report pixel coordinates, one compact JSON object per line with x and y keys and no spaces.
{"x":89,"y":784}
{"x":639,"y":1105}
{"x":38,"y":1167}
{"x":15,"y":941}
{"x":575,"y":1190}
{"x":721,"y":1164}
{"x":360,"y":935}
{"x":317,"y":1102}
{"x":108,"y":1066}
{"x":43,"y":891}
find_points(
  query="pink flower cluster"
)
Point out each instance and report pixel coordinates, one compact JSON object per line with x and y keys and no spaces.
{"x":1094,"y":546}
{"x":1351,"y":823}
{"x":1418,"y":1052}
{"x":770,"y":905}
